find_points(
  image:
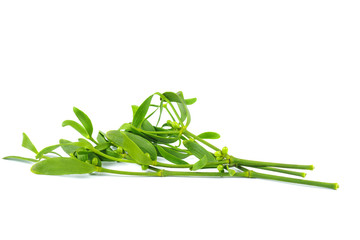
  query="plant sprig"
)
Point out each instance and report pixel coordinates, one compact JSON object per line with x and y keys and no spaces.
{"x":143,"y":143}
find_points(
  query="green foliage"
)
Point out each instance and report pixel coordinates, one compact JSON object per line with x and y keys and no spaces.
{"x":134,"y":151}
{"x":198,"y":151}
{"x":140,"y":142}
{"x":143,"y":144}
{"x":200,"y":164}
{"x":85,"y":120}
{"x":77,"y":127}
{"x":209,"y":135}
{"x":26,"y":143}
{"x":141,"y":112}
{"x":170,"y":157}
{"x":62,"y":166}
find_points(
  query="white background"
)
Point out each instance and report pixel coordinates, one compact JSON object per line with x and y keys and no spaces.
{"x":278,"y":79}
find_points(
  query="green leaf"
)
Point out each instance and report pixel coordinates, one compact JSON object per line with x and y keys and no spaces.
{"x":62,"y":166}
{"x":85,"y":120}
{"x":178,"y":98}
{"x":126,"y":127}
{"x":84,"y":143}
{"x":160,"y":139}
{"x":199,"y":151}
{"x":26,"y":143}
{"x":141,"y":112}
{"x":172,"y":97}
{"x":170,"y":157}
{"x":120,"y":139}
{"x":190,"y":101}
{"x":103,"y":146}
{"x":20,"y":158}
{"x":101,"y":137}
{"x":209,"y":135}
{"x":200,"y":164}
{"x":77,"y":127}
{"x":146,"y":125}
{"x":182,"y":106}
{"x":69,"y":149}
{"x":134,"y":108}
{"x":47,"y":150}
{"x":177,"y":154}
{"x":143,"y":144}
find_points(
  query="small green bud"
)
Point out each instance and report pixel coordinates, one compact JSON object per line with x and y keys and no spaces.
{"x":220,"y":168}
{"x":95,"y":161}
{"x":175,"y":125}
{"x":144,"y":167}
{"x":88,"y":161}
{"x":119,"y":150}
{"x":225,"y":150}
{"x":218,"y":154}
{"x":219,"y":158}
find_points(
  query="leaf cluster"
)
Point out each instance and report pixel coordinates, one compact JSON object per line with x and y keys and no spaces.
{"x":157,"y":139}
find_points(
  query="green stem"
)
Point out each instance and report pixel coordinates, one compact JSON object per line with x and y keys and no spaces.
{"x":146,"y":118}
{"x":160,"y":132}
{"x":172,"y":107}
{"x":172,"y":117}
{"x":111,"y":158}
{"x":251,"y":163}
{"x":149,"y":174}
{"x":253,"y":174}
{"x":189,"y":134}
{"x":208,"y":165}
{"x":161,"y":110}
{"x":300,"y":174}
{"x":93,"y":140}
{"x":247,"y":174}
